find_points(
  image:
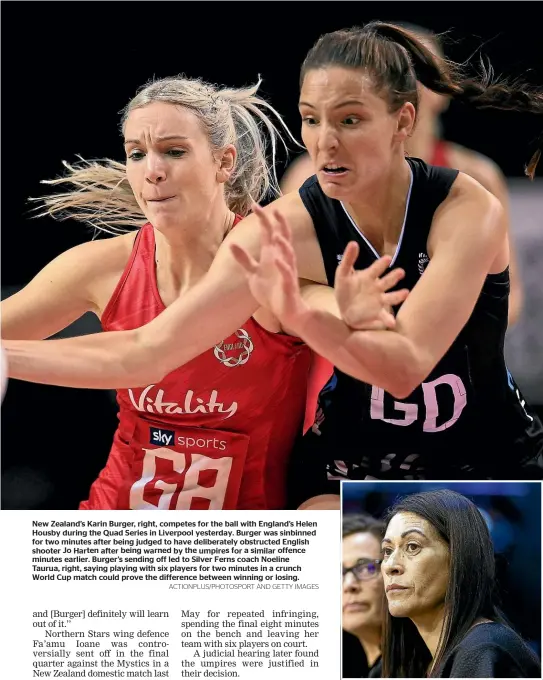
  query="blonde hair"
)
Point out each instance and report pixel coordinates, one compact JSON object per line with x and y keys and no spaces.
{"x":101,"y":195}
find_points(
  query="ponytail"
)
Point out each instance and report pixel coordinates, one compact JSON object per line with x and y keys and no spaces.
{"x":398,"y":58}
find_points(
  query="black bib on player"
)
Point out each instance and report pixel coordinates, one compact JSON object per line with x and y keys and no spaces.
{"x":466,"y":420}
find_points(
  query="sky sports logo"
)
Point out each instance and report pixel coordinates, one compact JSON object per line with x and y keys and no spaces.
{"x":160,"y":437}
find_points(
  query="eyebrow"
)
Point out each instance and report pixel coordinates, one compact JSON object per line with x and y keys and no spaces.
{"x":165,"y":138}
{"x":348,"y":102}
{"x":409,"y":531}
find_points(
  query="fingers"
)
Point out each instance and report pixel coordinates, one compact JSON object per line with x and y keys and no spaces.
{"x":266,"y":224}
{"x":379,"y":267}
{"x":376,"y":325}
{"x":395,"y":298}
{"x":350,"y":255}
{"x":287,"y":252}
{"x":277,"y":234}
{"x":283,"y":227}
{"x":387,"y":318}
{"x":391,"y":279}
{"x":244,"y":259}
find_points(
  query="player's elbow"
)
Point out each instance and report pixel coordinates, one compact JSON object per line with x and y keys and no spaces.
{"x":401,"y":390}
{"x":401,"y":387}
{"x":399,"y":383}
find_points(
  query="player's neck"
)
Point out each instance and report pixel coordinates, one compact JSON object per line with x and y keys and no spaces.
{"x":425,"y":136}
{"x":430,"y":624}
{"x":185,"y":254}
{"x":380,"y":212}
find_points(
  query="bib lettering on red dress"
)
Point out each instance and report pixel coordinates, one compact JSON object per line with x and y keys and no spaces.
{"x":247,"y":393}
{"x":189,"y":468}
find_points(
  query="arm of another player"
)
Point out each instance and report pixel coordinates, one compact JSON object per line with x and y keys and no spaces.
{"x":468,"y":235}
{"x":215,"y":308}
{"x":297,"y":172}
{"x":59,"y":294}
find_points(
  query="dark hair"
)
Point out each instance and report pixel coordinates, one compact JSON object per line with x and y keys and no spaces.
{"x":361,"y":523}
{"x":471,"y":587}
{"x":396,"y":58}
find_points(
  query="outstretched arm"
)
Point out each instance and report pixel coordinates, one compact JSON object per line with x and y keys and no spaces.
{"x":436,"y":310}
{"x":215,"y":308}
{"x":61,"y":292}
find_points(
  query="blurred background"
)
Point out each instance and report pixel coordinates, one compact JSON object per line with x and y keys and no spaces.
{"x":69,"y":70}
{"x":512,"y":511}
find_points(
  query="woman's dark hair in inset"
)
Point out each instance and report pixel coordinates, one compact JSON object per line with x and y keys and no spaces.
{"x":396,"y":58}
{"x":361,"y":524}
{"x":470,"y":591}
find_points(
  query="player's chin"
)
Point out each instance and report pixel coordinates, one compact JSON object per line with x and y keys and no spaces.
{"x":339,"y":187}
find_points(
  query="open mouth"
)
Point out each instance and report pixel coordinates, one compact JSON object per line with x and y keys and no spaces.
{"x":334,"y":170}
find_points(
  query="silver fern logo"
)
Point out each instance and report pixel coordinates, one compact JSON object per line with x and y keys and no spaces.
{"x":423,"y":262}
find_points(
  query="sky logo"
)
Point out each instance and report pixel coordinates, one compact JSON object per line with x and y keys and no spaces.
{"x":160,"y":437}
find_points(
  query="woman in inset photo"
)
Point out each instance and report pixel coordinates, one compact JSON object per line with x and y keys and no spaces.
{"x":363,"y":605}
{"x":438,"y":571}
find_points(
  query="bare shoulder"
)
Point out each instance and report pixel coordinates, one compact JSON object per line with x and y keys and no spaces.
{"x":297,"y":172}
{"x":96,"y":266}
{"x":468,"y":205}
{"x":98,"y":257}
{"x":467,"y":188}
{"x":107,"y":261}
{"x":478,"y":166}
{"x":81,"y":279}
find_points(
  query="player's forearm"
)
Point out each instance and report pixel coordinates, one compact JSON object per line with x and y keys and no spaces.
{"x":100,"y":361}
{"x":191,"y":325}
{"x":205,"y":316}
{"x":382,"y":358}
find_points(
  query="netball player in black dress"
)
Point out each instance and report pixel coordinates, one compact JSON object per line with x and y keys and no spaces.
{"x":423,"y":392}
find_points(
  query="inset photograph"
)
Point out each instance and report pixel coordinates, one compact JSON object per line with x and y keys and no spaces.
{"x":441,"y":579}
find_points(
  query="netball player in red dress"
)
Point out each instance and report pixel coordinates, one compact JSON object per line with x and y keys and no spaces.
{"x":429,"y":396}
{"x":217,"y":432}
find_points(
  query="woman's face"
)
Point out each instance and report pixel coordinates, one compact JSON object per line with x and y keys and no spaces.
{"x":362,"y":598}
{"x":350,"y":134}
{"x":415,"y":566}
{"x":170,"y":164}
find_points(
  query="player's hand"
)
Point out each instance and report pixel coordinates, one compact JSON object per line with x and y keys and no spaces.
{"x":362,"y":296}
{"x":273,"y":280}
